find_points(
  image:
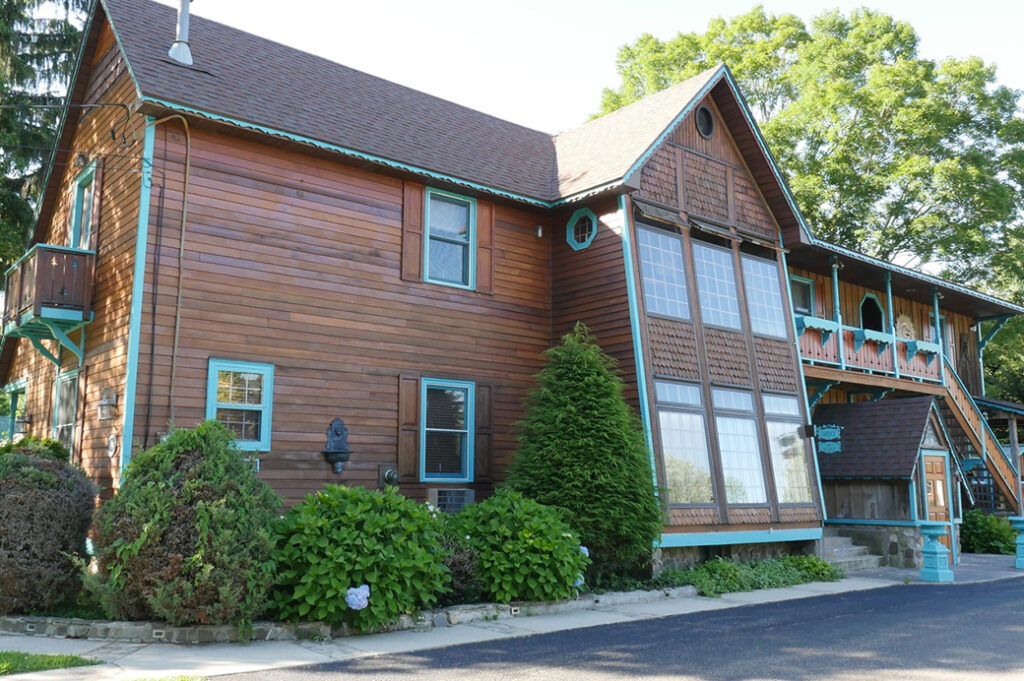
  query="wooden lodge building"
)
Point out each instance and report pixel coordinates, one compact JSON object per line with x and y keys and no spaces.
{"x":273,"y":240}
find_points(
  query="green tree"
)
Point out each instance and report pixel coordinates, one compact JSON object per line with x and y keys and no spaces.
{"x":902,"y":157}
{"x":38,"y":39}
{"x":582,"y":450}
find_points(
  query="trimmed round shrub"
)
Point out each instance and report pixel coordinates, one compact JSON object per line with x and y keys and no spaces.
{"x":986,"y":533}
{"x":583,"y":450}
{"x":189,"y":537}
{"x":524,"y":550}
{"x":343,"y":538}
{"x":46,"y":507}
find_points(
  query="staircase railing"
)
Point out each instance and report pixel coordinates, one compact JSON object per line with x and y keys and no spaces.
{"x":974,"y":423}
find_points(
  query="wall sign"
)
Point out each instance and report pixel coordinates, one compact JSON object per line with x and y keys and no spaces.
{"x":829,"y":438}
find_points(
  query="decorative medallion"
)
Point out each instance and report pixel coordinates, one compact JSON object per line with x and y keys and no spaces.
{"x":905,"y":327}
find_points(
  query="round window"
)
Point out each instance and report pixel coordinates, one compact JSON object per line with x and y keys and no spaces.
{"x":705,"y":121}
{"x":581,"y":229}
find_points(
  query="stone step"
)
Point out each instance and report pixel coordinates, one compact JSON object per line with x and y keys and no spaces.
{"x":846,"y":552}
{"x":828,"y":543}
{"x":862,"y":563}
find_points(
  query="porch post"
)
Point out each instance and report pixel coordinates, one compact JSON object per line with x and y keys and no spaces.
{"x":837,"y":316}
{"x":892,"y":324}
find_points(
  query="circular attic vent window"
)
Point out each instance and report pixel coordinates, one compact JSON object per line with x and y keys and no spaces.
{"x":581,"y":229}
{"x":705,"y":121}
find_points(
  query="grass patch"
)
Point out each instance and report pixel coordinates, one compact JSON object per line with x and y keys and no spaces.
{"x":21,"y":663}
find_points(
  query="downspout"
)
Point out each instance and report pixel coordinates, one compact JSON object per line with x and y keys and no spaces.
{"x":837,"y":315}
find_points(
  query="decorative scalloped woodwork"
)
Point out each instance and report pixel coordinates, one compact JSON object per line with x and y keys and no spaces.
{"x":659,"y":180}
{"x":692,"y":516}
{"x":799,"y":514}
{"x":776,"y":366}
{"x":727,"y":357}
{"x":706,"y":187}
{"x":749,"y":516}
{"x":751,"y":211}
{"x":673,"y":349}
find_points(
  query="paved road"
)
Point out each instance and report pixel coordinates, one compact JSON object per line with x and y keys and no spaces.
{"x":971,"y":632}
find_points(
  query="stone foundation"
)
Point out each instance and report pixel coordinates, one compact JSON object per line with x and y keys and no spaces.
{"x":677,"y":558}
{"x":899,"y":546}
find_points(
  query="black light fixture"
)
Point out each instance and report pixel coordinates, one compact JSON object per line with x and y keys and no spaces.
{"x":336,"y":451}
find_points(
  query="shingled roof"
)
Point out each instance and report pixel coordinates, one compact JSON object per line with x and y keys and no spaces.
{"x":879,"y":439}
{"x":278,"y":89}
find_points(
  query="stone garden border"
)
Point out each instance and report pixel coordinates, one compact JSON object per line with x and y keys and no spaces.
{"x":159,"y":632}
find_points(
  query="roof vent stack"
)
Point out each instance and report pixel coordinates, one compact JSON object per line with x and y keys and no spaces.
{"x":180,"y":51}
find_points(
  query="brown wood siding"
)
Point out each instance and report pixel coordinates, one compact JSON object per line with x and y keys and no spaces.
{"x":300,"y":262}
{"x":106,"y":338}
{"x":589,"y":285}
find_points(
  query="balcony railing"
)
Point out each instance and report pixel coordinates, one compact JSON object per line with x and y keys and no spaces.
{"x":869,"y":351}
{"x":49,"y":282}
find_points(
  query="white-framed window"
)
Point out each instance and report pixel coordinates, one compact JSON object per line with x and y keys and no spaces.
{"x":664,"y":273}
{"x":788,"y":449}
{"x":450,"y":241}
{"x":240,"y":395}
{"x":83,"y":202}
{"x":739,"y":447}
{"x":65,"y":408}
{"x":446,"y":430}
{"x":764,"y":296}
{"x":716,"y":286}
{"x":681,"y":424}
{"x":803,"y":295}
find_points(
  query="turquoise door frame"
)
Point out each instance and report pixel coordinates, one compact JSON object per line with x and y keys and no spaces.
{"x":954,"y":540}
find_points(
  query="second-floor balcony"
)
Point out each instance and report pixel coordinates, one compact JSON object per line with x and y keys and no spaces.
{"x":48,"y":295}
{"x":825,"y":342}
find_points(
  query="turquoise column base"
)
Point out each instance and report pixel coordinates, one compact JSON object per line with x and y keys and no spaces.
{"x":934,"y":554}
{"x":1017,"y":523}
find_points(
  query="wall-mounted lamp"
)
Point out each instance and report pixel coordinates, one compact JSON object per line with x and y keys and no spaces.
{"x":106,"y":406}
{"x":539,"y":231}
{"x":81,"y":160}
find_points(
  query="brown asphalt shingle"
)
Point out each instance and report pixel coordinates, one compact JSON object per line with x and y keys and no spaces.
{"x":879,"y":440}
{"x":244,"y":77}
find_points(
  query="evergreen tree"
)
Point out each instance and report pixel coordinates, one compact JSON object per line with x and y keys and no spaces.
{"x":582,"y":449}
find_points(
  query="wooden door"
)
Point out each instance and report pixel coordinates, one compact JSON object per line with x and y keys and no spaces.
{"x":937,"y":489}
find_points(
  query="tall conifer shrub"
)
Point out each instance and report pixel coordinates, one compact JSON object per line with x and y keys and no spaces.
{"x":582,"y":449}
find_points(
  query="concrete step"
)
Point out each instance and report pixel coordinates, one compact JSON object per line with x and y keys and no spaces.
{"x":846,"y":553}
{"x":828,"y":543}
{"x":868,"y":562}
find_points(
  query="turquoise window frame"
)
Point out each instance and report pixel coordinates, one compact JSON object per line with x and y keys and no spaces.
{"x":84,"y":180}
{"x":12,"y":390}
{"x":885,"y":314}
{"x":810,"y":282}
{"x":470,"y":283}
{"x":570,"y":229}
{"x":265,"y":408}
{"x":468,"y":454}
{"x":69,"y":375}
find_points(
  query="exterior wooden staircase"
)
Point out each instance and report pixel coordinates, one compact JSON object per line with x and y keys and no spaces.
{"x":965,"y":411}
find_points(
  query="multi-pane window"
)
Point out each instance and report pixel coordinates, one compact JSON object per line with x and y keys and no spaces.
{"x":716,"y":286}
{"x":240,"y":396}
{"x":81,"y":209}
{"x":446,"y":431}
{"x":664,"y":275}
{"x":788,"y":449}
{"x":451,"y":227}
{"x":684,"y":443}
{"x":65,"y":408}
{"x":739,"y":447}
{"x":764,"y":297}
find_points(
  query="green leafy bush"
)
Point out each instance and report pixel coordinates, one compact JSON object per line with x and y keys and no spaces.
{"x":46,"y":507}
{"x":814,"y":569}
{"x":721,"y":576}
{"x":344,"y":537}
{"x":461,"y":561}
{"x":39,"y":446}
{"x":583,"y":450}
{"x":524,"y":550}
{"x":985,"y":533}
{"x":188,"y":538}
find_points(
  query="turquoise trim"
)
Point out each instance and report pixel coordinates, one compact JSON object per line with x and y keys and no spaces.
{"x":266,"y":407}
{"x":1006,"y":457}
{"x":1000,"y":322}
{"x":811,"y":285}
{"x":892,"y":325}
{"x":83,"y":181}
{"x":638,"y":345}
{"x":881,"y":308}
{"x":837,"y":314}
{"x":14,"y":387}
{"x":826,"y":326}
{"x":138,"y":283}
{"x":469,"y":452}
{"x":58,"y":313}
{"x":470,"y":243}
{"x":881,"y":339}
{"x":862,"y":521}
{"x":570,"y":229}
{"x":684,"y":539}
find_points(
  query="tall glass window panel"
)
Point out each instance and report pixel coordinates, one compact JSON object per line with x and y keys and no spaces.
{"x":664,"y":274}
{"x":446,"y":432}
{"x":741,"y":460}
{"x":450,"y":235}
{"x":764,"y":297}
{"x":716,"y":285}
{"x":687,"y":469}
{"x":789,"y":459}
{"x":65,"y":408}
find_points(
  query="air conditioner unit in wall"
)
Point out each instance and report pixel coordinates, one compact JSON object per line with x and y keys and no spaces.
{"x":450,"y":500}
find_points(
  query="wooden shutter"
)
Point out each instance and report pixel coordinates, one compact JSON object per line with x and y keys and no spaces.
{"x":483,"y":457}
{"x":412,"y":232}
{"x":484,"y":247}
{"x":408,"y":428}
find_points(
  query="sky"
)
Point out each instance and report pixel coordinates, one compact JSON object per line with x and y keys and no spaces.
{"x":543,"y":64}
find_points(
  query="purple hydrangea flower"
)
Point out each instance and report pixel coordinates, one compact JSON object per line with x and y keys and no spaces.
{"x":358,"y":597}
{"x":579,"y":581}
{"x":585,"y":551}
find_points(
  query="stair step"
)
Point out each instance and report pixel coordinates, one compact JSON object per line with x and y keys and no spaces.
{"x":846,"y":553}
{"x":868,"y":562}
{"x":828,"y":543}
